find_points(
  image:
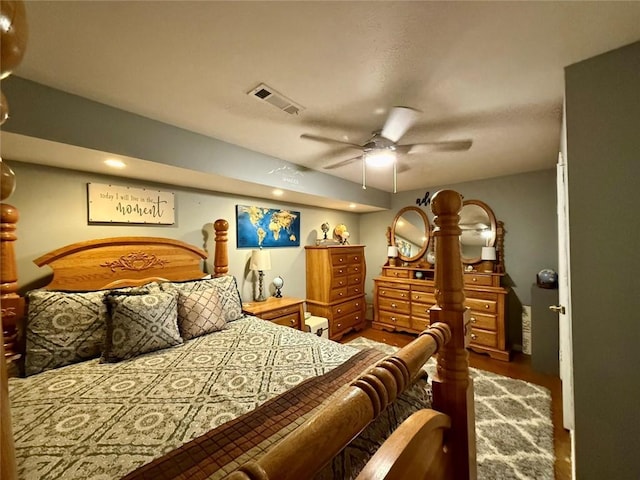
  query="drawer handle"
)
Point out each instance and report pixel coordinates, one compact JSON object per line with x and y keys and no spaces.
{"x":393,"y":305}
{"x":384,"y":292}
{"x":402,"y":295}
{"x":341,"y":259}
{"x":487,"y":306}
{"x":341,"y":283}
{"x":395,"y":273}
{"x":474,"y":279}
{"x":394,"y":319}
{"x":356,"y":269}
{"x":357,"y":304}
{"x":340,"y":271}
{"x":473,"y":320}
{"x":356,"y":258}
{"x":292,"y":321}
{"x":357,"y":290}
{"x":474,"y":336}
{"x":339,"y":310}
{"x":340,"y":294}
{"x":339,"y":325}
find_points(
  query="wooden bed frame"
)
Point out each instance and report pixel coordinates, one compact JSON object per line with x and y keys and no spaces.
{"x":438,"y":443}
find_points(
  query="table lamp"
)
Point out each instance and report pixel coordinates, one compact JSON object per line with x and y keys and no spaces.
{"x":260,"y":261}
{"x":392,"y":254}
{"x":488,"y":256}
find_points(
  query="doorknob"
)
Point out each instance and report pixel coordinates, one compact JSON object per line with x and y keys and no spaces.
{"x":557,"y":308}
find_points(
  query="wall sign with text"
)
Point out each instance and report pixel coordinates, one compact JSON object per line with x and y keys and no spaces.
{"x":117,"y":204}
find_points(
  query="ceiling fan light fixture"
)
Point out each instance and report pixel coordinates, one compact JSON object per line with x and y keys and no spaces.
{"x":380,"y":158}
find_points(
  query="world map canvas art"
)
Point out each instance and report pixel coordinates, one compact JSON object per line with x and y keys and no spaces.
{"x":267,"y":227}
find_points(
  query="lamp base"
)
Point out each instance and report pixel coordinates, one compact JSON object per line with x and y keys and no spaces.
{"x":486,"y":266}
{"x":260,"y":297}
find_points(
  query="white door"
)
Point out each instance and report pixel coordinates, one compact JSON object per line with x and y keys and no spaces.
{"x":564,"y":294}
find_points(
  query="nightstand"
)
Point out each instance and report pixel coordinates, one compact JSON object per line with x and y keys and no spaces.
{"x":287,"y":311}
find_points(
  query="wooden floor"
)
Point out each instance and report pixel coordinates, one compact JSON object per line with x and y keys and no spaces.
{"x":519,"y":367}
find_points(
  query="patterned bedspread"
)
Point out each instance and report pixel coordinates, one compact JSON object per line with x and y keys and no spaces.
{"x":103,"y":421}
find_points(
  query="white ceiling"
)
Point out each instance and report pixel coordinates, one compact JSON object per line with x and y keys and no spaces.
{"x":488,"y":71}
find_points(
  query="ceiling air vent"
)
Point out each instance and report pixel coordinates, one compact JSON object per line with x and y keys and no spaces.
{"x":269,"y":95}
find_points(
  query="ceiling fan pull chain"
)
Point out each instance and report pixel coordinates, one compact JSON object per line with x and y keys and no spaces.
{"x":364,"y":171}
{"x":395,"y":176}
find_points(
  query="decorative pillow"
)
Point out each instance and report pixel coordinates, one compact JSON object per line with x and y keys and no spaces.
{"x":199,"y":313}
{"x":227,"y":291}
{"x":140,"y":323}
{"x":63,"y":328}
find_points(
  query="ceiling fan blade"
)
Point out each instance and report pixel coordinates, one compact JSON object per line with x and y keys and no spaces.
{"x":318,"y":138}
{"x":402,"y":167}
{"x":450,"y":146}
{"x":400,"y":120}
{"x":343,"y":163}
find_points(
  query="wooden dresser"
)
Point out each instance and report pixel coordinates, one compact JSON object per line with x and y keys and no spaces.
{"x":404,"y":295}
{"x":335,"y":286}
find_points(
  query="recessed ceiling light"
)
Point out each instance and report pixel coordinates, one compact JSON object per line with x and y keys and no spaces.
{"x":277,"y":192}
{"x":113,"y":163}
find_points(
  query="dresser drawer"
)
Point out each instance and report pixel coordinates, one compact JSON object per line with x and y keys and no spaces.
{"x":354,"y":290}
{"x":355,"y":269}
{"x":485,"y":322}
{"x":337,"y":294}
{"x":419,"y":324}
{"x":397,"y":272}
{"x":484,"y":338}
{"x":420,"y":310}
{"x":339,"y":282}
{"x":339,"y":271}
{"x":392,"y":305}
{"x":394,"y":285}
{"x":397,"y":320}
{"x":423,"y":297}
{"x":338,"y":325}
{"x":347,"y":307}
{"x":289,"y":321}
{"x":355,"y":279}
{"x":479,"y":305}
{"x":478,"y":279}
{"x":393,"y":293}
{"x":346,"y":257}
{"x":281,"y":312}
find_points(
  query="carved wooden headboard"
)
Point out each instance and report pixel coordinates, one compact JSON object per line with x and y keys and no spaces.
{"x":121,"y":262}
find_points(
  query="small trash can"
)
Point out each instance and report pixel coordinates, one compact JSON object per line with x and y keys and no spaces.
{"x":317,"y":325}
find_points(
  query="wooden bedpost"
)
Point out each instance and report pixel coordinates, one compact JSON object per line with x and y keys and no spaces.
{"x":12,"y":304}
{"x":221,"y":259}
{"x":452,"y":386}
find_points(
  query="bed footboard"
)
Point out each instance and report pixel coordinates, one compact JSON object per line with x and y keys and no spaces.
{"x":307,"y":449}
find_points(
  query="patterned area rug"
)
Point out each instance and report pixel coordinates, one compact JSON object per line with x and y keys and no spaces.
{"x":514,"y":431}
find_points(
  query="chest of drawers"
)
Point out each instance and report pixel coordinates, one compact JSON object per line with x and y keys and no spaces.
{"x":335,"y":286}
{"x":402,"y":303}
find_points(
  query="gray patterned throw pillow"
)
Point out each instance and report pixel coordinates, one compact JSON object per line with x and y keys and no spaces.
{"x":63,"y":328}
{"x":199,"y":313}
{"x":226,"y":289}
{"x":139,"y":324}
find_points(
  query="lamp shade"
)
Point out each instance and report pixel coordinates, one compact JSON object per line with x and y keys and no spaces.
{"x":260,"y":260}
{"x":392,"y":251}
{"x":488,"y":253}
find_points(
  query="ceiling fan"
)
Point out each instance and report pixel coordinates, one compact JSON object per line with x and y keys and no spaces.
{"x":382,"y":148}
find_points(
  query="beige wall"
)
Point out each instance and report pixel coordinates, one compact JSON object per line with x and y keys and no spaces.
{"x":53,"y":213}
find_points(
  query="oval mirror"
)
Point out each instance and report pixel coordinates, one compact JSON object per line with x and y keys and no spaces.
{"x":478,"y":225}
{"x":410,"y":232}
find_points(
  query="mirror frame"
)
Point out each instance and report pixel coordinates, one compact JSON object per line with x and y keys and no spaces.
{"x":494,"y":228}
{"x":427,"y":226}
